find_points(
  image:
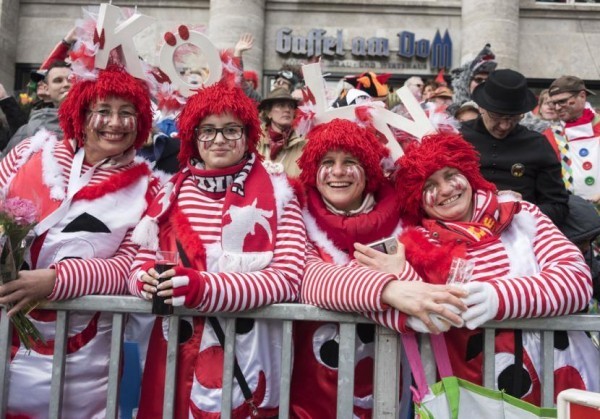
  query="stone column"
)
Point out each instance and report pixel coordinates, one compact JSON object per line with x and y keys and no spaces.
{"x":231,"y":18}
{"x":495,"y":22}
{"x":9,"y":23}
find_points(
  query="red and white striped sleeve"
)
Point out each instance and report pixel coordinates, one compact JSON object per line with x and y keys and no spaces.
{"x":77,"y":277}
{"x":142,"y":256}
{"x":279,"y":282}
{"x":563,"y":285}
{"x":351,"y":288}
{"x":8,"y":164}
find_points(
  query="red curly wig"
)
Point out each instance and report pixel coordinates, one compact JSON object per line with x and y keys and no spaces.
{"x":423,"y":159}
{"x":219,"y":98}
{"x":344,"y":135}
{"x":114,"y":81}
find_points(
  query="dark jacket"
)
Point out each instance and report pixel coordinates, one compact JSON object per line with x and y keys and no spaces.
{"x":162,"y":153}
{"x":14,"y":116}
{"x":524,"y":162}
{"x":39,"y":118}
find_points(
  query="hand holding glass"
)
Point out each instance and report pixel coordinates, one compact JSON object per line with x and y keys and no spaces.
{"x":165,"y":260}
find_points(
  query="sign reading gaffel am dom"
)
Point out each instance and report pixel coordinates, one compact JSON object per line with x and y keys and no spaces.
{"x":411,"y":52}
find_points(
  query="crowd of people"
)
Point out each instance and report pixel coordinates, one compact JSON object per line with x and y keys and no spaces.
{"x":262,"y":210}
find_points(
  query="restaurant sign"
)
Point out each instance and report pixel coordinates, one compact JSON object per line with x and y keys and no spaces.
{"x":438,"y":51}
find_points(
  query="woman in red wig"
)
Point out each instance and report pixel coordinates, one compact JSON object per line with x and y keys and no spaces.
{"x":350,"y":204}
{"x":241,"y":241}
{"x":523,"y":267}
{"x":90,"y":192}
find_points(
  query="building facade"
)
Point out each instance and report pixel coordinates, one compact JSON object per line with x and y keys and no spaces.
{"x":543,"y":40}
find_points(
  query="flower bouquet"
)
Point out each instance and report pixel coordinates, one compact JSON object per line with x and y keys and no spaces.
{"x":17,"y":219}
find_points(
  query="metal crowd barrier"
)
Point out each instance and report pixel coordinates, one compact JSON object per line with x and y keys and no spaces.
{"x":387,"y":352}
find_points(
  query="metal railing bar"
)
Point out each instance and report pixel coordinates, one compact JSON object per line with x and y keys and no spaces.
{"x":285,"y":380}
{"x":171,"y":369}
{"x":228,"y":365}
{"x":5,"y":344}
{"x":58,"y":364}
{"x":548,"y":368}
{"x":579,"y":322}
{"x":131,"y":304}
{"x":489,"y":358}
{"x":386,"y":385}
{"x":429,"y":365}
{"x":114,"y":368}
{"x":346,"y":357}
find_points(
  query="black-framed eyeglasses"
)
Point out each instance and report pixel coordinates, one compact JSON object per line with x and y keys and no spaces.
{"x":562,"y":102}
{"x":230,"y":133}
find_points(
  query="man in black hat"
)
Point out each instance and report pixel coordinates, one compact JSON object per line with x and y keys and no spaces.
{"x":577,"y":138}
{"x":514,"y":157}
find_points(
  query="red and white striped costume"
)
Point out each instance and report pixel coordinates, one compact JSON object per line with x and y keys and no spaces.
{"x":91,"y":250}
{"x":196,"y":220}
{"x":333,"y":280}
{"x":537,"y":272}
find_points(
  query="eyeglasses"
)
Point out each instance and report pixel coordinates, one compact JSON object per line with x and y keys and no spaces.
{"x":479,"y":80}
{"x":496,"y":117}
{"x":562,"y":102}
{"x":230,"y":133}
{"x":108,"y":114}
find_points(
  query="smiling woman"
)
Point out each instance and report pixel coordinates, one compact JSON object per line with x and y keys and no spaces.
{"x":239,"y":234}
{"x":349,"y":204}
{"x":520,"y":261}
{"x":91,"y":193}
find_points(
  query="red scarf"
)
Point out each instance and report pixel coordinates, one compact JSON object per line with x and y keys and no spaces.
{"x":586,"y":117}
{"x":362,"y":228}
{"x":432,"y":261}
{"x":277,"y":140}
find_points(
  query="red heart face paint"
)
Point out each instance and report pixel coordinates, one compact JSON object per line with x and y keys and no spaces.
{"x":447,"y":195}
{"x":341,"y":180}
{"x":111,"y":128}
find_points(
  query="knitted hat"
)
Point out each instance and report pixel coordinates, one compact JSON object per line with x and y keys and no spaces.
{"x":423,"y":159}
{"x":344,"y":135}
{"x":114,"y":81}
{"x":216,"y":99}
{"x":484,"y":62}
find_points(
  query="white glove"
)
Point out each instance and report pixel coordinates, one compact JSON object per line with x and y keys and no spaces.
{"x":482,"y":303}
{"x":442,"y":323}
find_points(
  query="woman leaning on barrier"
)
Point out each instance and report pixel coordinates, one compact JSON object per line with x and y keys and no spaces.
{"x":241,"y":244}
{"x":349,"y":203}
{"x":91,"y":192}
{"x":523,"y":267}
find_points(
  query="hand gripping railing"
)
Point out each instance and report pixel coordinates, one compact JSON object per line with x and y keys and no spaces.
{"x":387,"y":352}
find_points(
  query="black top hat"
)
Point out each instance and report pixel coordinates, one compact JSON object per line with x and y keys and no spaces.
{"x":278,"y":94}
{"x":505,"y":92}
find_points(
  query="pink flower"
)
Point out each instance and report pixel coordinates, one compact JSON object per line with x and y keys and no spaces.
{"x":22,"y":211}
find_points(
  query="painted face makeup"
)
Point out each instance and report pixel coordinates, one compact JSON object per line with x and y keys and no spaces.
{"x":102,"y":118}
{"x":457,"y":181}
{"x":353,"y":172}
{"x":111,"y":128}
{"x":447,"y":195}
{"x":341,"y":180}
